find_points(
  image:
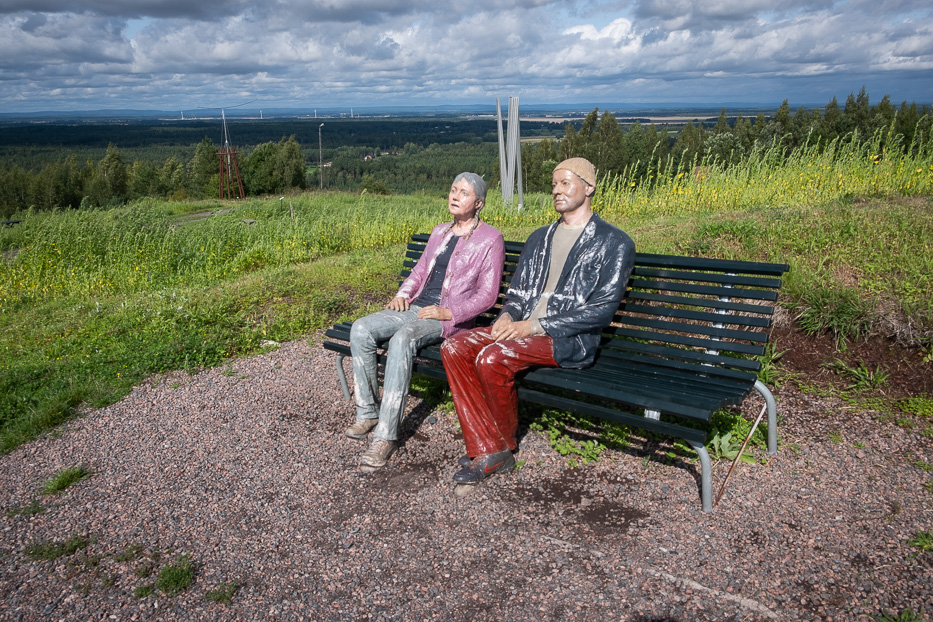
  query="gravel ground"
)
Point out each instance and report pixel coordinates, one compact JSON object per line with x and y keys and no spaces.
{"x":245,"y":469}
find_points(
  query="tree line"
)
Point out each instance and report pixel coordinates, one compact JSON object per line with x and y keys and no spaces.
{"x":269,"y":168}
{"x":640,"y":151}
{"x":380,"y":156}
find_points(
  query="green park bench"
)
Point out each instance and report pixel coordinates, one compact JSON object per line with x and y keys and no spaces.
{"x":683,"y":345}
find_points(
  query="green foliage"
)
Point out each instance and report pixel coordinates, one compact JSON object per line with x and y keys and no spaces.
{"x":922,"y":541}
{"x":860,"y":378}
{"x":435,"y":393}
{"x":49,"y":550}
{"x":725,"y":447}
{"x":176,"y":577}
{"x":272,"y":168}
{"x":565,"y":432}
{"x":143,"y":591}
{"x":582,"y":439}
{"x":728,"y":430}
{"x":223,"y":594}
{"x":129,"y":554}
{"x":919,"y":405}
{"x":203,"y":170}
{"x":856,"y":265}
{"x":27,"y":510}
{"x":373,"y":186}
{"x":838,"y":310}
{"x":769,"y":374}
{"x":410,"y":155}
{"x":907,"y":615}
{"x":428,"y":169}
{"x":63,"y":479}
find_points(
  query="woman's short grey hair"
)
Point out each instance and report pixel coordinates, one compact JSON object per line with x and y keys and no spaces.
{"x":476,"y":182}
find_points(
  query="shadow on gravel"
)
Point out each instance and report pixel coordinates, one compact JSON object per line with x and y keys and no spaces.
{"x":569,"y":499}
{"x":410,"y":428}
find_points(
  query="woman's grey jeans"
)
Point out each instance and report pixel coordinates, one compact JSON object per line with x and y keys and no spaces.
{"x":408,"y":334}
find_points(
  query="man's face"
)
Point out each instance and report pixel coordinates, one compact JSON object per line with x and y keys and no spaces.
{"x":462,"y":201}
{"x":569,"y":191}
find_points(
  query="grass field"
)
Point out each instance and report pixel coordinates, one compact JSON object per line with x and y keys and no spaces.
{"x":93,"y":302}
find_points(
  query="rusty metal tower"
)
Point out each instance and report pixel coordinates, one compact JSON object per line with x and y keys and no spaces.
{"x":229,"y":168}
{"x":230,"y":183}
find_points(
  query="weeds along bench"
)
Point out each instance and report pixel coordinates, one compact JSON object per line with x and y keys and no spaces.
{"x":682,"y":346}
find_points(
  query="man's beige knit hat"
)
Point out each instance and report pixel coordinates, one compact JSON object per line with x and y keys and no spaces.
{"x":581,"y":167}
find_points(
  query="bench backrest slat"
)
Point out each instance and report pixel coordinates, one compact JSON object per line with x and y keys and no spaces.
{"x":706,"y":344}
{"x":706,"y":263}
{"x":698,"y":316}
{"x":738,"y":307}
{"x":728,"y":279}
{"x":676,"y":365}
{"x":703,"y":290}
{"x":683,"y":354}
{"x":696,"y":329}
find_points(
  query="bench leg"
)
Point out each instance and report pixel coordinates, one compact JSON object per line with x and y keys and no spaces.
{"x":706,"y":475}
{"x":772,"y":415}
{"x":342,"y":376}
{"x":706,"y":469}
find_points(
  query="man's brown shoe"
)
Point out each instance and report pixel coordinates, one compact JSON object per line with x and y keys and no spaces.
{"x":361,"y":427}
{"x":378,"y":453}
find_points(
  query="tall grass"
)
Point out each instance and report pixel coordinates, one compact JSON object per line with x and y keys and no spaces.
{"x":92,"y":302}
{"x":769,"y":177}
{"x":144,"y":247}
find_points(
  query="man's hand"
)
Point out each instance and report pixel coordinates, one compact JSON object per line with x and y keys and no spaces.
{"x":434,"y":313}
{"x":399,"y":303}
{"x":506,"y":328}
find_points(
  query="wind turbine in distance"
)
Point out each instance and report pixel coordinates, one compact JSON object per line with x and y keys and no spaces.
{"x":229,"y":166}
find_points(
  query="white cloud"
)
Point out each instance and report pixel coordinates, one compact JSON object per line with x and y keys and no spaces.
{"x":170,"y":54}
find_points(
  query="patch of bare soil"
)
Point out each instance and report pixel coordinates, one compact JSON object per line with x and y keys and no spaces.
{"x":198,"y":216}
{"x":816,"y":358}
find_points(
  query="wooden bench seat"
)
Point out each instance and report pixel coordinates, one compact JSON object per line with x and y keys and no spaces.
{"x":684,"y":343}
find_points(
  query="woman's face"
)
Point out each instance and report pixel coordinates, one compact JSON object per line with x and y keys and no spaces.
{"x":462,"y":201}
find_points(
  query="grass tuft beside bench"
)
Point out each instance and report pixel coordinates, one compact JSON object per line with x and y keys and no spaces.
{"x":683,"y":343}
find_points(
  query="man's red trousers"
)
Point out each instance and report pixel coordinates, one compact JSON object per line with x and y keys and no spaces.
{"x":481,"y":373}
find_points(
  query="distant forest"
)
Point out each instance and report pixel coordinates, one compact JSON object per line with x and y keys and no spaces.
{"x":52,"y":165}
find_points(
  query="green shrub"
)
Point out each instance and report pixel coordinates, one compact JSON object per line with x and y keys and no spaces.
{"x":49,"y":550}
{"x":64,"y":479}
{"x":176,"y":577}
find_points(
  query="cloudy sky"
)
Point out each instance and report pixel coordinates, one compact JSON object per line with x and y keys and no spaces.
{"x":184,"y":54}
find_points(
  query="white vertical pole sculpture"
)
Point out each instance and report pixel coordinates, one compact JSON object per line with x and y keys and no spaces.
{"x":510,"y":155}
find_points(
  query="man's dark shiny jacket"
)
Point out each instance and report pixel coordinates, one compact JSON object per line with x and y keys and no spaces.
{"x":587,"y":295}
